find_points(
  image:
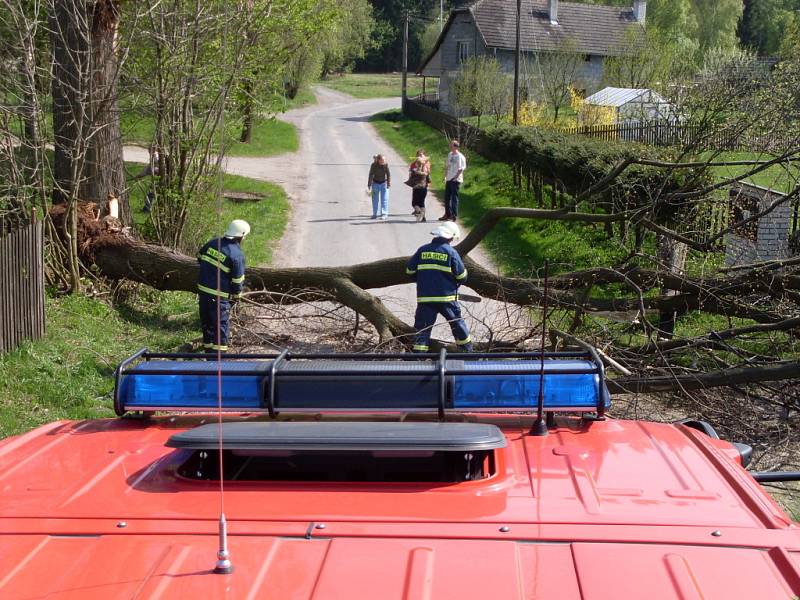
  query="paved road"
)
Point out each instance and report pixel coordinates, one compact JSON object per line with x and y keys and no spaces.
{"x":326,"y":180}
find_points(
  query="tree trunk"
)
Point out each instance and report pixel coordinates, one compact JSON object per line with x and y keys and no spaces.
{"x":70,"y":43}
{"x":105,"y":169}
{"x":247,"y":111}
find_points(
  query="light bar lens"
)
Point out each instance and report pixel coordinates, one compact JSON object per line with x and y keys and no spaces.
{"x":194,"y":384}
{"x":522,"y":391}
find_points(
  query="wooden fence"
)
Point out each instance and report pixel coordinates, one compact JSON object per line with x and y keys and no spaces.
{"x":21,"y":284}
{"x":687,"y":135}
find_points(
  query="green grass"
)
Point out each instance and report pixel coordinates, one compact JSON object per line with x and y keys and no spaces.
{"x":777,"y":177}
{"x":270,"y":136}
{"x":516,"y":245}
{"x":267,"y":217}
{"x":68,"y":373}
{"x":370,"y":85}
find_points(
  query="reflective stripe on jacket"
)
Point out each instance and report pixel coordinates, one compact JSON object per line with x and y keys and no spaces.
{"x":221,"y":256}
{"x":438,"y":270}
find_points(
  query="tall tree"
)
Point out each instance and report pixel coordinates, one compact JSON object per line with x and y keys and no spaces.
{"x":765,"y":22}
{"x":104,"y":173}
{"x":88,"y":145}
{"x":717,"y":21}
{"x":553,"y":75}
{"x":386,"y":48}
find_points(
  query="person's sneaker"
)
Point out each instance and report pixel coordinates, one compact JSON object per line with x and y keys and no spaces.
{"x":384,"y":217}
{"x":423,"y":220}
{"x":374,"y":217}
{"x":444,"y":218}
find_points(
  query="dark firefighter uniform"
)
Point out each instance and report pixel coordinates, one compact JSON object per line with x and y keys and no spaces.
{"x":438,"y":270}
{"x":220,"y":281}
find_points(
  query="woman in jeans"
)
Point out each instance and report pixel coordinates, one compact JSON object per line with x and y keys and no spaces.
{"x":419,"y":176}
{"x":379,"y":182}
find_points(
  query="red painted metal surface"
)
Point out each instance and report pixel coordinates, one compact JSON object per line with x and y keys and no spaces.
{"x":611,"y":509}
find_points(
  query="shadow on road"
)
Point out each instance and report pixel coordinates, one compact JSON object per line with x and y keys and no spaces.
{"x":364,"y":220}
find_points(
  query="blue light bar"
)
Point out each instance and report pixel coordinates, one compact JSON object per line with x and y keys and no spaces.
{"x":364,"y":383}
{"x":167,"y":384}
{"x":566,"y":390}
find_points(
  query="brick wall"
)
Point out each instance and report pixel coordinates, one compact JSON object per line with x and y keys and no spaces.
{"x":768,"y":237}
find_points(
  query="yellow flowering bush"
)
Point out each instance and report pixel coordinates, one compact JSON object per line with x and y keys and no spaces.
{"x":591,"y":114}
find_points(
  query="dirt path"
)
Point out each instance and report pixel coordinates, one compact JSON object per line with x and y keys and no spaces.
{"x":330,"y":223}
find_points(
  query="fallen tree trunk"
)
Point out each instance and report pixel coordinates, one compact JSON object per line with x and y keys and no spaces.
{"x":721,"y":378}
{"x":120,"y":257}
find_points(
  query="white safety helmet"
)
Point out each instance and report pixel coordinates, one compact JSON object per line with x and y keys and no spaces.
{"x":448,"y":231}
{"x":237,"y":229}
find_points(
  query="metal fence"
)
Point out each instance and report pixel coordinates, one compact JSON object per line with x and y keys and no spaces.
{"x":21,"y":284}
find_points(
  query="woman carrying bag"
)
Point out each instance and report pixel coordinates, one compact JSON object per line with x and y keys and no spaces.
{"x":419,"y":177}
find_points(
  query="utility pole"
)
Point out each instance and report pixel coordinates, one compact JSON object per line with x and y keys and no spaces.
{"x":441,"y":15}
{"x":516,"y":66}
{"x":405,"y":61}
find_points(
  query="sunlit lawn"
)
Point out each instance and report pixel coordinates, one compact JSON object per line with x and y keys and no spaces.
{"x":371,"y":85}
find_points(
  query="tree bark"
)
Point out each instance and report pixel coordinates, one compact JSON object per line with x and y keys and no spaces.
{"x":70,"y":43}
{"x":104,"y":169}
{"x":721,"y":378}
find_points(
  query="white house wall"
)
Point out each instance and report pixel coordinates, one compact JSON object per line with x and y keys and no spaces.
{"x":462,"y":29}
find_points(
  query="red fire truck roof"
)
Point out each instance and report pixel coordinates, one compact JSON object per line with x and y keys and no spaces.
{"x":596,"y":509}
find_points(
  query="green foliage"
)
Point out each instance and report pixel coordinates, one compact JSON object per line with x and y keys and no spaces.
{"x":579,"y":162}
{"x":653,"y":61}
{"x":717,"y":22}
{"x":349,"y":36}
{"x":554,"y":75}
{"x":386,"y":52}
{"x":766,"y":23}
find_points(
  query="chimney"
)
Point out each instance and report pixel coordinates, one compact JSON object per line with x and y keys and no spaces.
{"x":639,"y":10}
{"x":553,"y":12}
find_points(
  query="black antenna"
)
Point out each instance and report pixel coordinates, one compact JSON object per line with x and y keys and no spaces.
{"x":539,"y":426}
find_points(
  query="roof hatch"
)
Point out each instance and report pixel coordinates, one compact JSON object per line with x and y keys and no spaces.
{"x":341,"y":451}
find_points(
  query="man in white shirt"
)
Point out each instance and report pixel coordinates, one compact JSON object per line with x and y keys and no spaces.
{"x":453,"y":177}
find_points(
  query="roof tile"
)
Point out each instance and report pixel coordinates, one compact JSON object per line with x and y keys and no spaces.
{"x":594,"y":29}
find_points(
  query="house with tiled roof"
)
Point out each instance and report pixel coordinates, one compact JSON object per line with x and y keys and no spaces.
{"x":488,"y":27}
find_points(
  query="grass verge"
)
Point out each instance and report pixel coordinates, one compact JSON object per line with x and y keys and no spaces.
{"x":267,"y":216}
{"x":68,"y":373}
{"x":270,"y":136}
{"x":371,"y":85}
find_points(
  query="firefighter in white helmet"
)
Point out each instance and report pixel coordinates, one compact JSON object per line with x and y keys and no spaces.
{"x":220,"y":283}
{"x":438,"y":270}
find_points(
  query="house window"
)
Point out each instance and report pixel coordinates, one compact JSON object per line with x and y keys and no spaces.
{"x":463,"y":51}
